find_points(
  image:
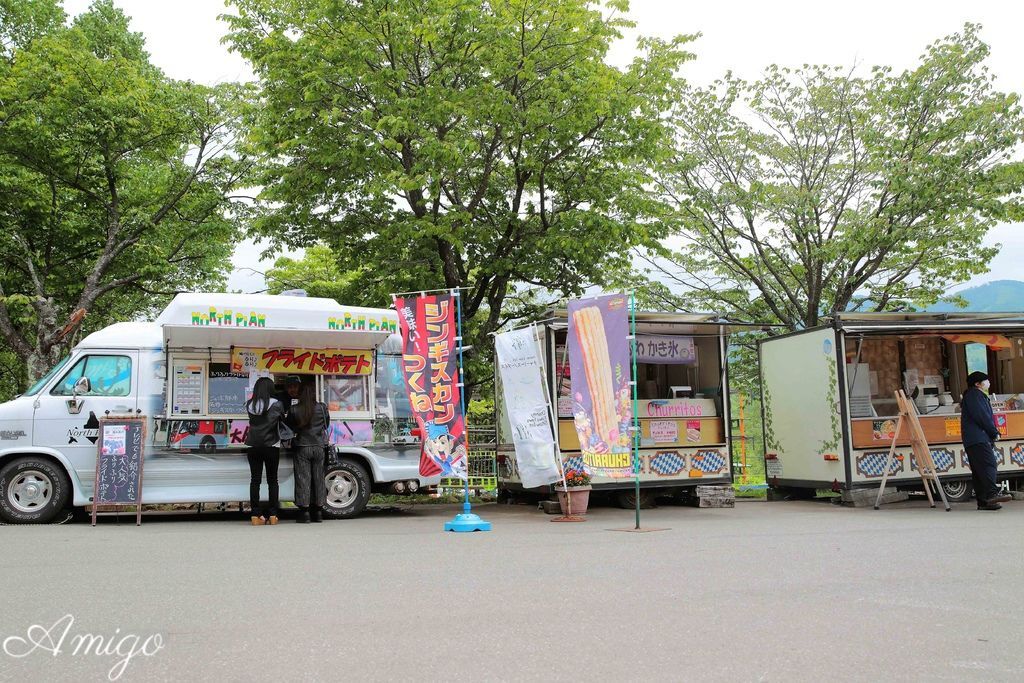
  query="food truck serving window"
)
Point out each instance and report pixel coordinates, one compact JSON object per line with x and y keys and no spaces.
{"x":219,"y":384}
{"x":346,"y":394}
{"x":932,"y":367}
{"x":668,"y":367}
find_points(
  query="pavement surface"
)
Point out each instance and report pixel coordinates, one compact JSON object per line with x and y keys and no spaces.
{"x":766,"y":591}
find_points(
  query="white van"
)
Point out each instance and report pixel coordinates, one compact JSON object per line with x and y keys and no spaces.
{"x":189,"y":372}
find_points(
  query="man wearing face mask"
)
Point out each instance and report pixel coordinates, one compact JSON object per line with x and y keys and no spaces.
{"x":978,"y":429}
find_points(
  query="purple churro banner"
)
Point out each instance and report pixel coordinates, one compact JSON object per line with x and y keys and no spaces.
{"x":600,"y":366}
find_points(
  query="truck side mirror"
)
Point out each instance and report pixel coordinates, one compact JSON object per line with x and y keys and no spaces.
{"x":82,"y":386}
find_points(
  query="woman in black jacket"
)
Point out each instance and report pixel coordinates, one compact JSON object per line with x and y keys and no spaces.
{"x":265,"y":413}
{"x":310,"y":421}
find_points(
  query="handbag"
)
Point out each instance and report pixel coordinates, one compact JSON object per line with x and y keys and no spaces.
{"x":285,"y":434}
{"x":330,"y":450}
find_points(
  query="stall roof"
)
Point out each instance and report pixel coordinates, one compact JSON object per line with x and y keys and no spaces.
{"x":660,"y":322}
{"x":916,"y":322}
{"x":200,"y":321}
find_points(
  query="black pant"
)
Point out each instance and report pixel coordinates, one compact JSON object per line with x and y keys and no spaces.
{"x":310,"y":488}
{"x":982,"y":460}
{"x":258,"y":457}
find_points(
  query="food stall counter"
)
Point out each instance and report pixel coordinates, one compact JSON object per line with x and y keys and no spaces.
{"x":938,"y":429}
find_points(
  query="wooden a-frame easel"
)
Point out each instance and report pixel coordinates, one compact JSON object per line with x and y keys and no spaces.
{"x":922,"y":454}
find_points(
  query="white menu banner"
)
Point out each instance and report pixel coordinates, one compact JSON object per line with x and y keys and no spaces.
{"x":527,"y":408}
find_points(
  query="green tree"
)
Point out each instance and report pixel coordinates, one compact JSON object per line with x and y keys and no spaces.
{"x":454,"y":143}
{"x":23,"y":20}
{"x":814,"y":190}
{"x":317,"y":272}
{"x":114,"y":179}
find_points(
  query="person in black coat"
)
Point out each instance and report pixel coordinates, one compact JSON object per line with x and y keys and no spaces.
{"x":264,"y":442}
{"x":979,"y":434}
{"x":310,"y":420}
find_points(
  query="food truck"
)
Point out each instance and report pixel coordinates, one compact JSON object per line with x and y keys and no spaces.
{"x":190,"y":373}
{"x":683,"y":406}
{"x":830,"y":411}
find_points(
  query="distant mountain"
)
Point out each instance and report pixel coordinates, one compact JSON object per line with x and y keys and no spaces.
{"x":999,"y":296}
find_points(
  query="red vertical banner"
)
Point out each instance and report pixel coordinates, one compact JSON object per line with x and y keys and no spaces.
{"x":430,"y":366}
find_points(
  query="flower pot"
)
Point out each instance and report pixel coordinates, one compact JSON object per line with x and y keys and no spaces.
{"x":578,"y":496}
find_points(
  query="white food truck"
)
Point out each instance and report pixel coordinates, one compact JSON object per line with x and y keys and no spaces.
{"x":683,"y":406}
{"x":189,"y":373}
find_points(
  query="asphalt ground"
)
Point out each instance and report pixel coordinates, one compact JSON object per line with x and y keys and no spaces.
{"x":765,"y":591}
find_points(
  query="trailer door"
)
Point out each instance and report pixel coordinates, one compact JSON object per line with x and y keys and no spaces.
{"x":803,"y":433}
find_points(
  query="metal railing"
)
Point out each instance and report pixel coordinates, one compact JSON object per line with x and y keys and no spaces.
{"x":481,"y":462}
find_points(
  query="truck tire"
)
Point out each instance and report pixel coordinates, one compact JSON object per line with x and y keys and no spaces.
{"x":33,"y":490}
{"x":959,"y":491}
{"x":348,"y":489}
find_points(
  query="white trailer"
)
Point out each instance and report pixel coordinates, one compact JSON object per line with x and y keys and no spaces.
{"x":829,"y":397}
{"x":683,"y":407}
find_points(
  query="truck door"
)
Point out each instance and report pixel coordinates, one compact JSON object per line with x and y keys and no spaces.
{"x":70,"y":423}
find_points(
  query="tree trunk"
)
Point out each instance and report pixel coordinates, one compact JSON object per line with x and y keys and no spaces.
{"x":39,"y":363}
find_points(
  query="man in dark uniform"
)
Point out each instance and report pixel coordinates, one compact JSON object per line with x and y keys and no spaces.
{"x":290,"y":395}
{"x":979,"y":434}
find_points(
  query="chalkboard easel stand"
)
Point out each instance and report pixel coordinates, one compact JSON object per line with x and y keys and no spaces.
{"x":117,"y":515}
{"x":135,"y":448}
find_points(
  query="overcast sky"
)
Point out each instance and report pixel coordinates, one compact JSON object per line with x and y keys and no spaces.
{"x":183,"y":37}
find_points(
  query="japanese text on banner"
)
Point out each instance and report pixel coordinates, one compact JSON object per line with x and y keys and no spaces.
{"x":429,"y":362}
{"x":303,"y":361}
{"x":527,"y":408}
{"x":665,"y":350}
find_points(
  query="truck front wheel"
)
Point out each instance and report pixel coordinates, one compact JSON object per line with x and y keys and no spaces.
{"x":348,"y":489}
{"x":957,"y":491}
{"x":32,"y":491}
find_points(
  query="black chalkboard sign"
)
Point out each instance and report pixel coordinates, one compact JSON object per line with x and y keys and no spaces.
{"x":120,"y":450}
{"x":227,"y":390}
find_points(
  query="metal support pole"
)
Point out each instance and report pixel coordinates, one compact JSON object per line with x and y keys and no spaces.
{"x":467,"y":521}
{"x":636,"y":415}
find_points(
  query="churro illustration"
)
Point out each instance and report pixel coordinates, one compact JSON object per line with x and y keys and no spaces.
{"x":597,"y":364}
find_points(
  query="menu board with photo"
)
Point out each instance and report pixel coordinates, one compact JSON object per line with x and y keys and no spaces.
{"x":119,"y":463}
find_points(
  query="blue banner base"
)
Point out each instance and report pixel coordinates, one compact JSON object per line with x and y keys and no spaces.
{"x":467,"y":521}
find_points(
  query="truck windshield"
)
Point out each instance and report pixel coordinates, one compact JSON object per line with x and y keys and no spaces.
{"x":34,"y":389}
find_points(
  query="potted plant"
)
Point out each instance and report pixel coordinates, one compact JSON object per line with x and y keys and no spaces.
{"x":575,"y":496}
